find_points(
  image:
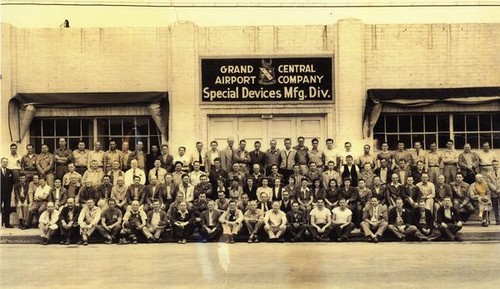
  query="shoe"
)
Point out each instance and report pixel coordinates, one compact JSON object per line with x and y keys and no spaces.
{"x":402,"y":239}
{"x":375,"y":239}
{"x":85,"y":243}
{"x":180,"y":241}
{"x":249,"y":240}
{"x":484,"y":224}
{"x":9,"y":226}
{"x":183,"y":241}
{"x":497,"y":223}
{"x":24,"y":228}
{"x":62,"y":242}
{"x":79,"y":242}
{"x":134,"y":241}
{"x":292,"y":240}
{"x":107,"y":242}
{"x":122,"y":241}
{"x":340,"y":239}
{"x":204,"y":240}
{"x":256,"y":239}
{"x":458,"y":239}
{"x":67,"y":242}
{"x":281,"y":240}
{"x":42,"y":242}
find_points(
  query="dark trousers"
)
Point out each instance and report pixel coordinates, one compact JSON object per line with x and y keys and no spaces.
{"x":129,"y":230}
{"x":432,"y":235}
{"x":6,"y":209}
{"x":61,"y":170}
{"x":183,"y":232}
{"x":325,"y":234}
{"x":296,"y":232}
{"x":286,"y":174}
{"x":496,"y":202}
{"x":68,"y":233}
{"x":450,"y":232}
{"x":344,"y":232}
{"x":214,"y":236}
{"x":114,"y":231}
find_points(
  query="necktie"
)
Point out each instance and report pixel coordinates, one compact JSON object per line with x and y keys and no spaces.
{"x":200,"y":158}
{"x":133,"y":174}
{"x":156,"y":173}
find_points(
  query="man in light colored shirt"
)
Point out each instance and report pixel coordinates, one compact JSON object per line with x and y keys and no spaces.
{"x":210,"y":227}
{"x":316,"y":155}
{"x":45,"y":165}
{"x":81,"y":158}
{"x":89,"y":217}
{"x":211,"y":155}
{"x":321,"y":222}
{"x":342,"y":221}
{"x":450,"y":162}
{"x":231,"y":221}
{"x":134,"y":171}
{"x":96,"y":155}
{"x":110,"y":156}
{"x":200,"y":156}
{"x":94,"y":174}
{"x":331,"y":154}
{"x":253,"y":221}
{"x":197,"y":172}
{"x":40,"y":200}
{"x":275,"y":223}
{"x":428,"y":191}
{"x":374,"y":218}
{"x":14,"y":162}
{"x":366,"y":157}
{"x":72,"y":173}
{"x":486,"y":157}
{"x":157,"y":221}
{"x":433,"y":163}
{"x":183,"y":159}
{"x":48,"y":223}
{"x":158,"y":172}
{"x":417,"y":154}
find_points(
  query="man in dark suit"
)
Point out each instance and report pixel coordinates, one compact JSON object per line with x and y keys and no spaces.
{"x":156,"y":223}
{"x":183,"y":223}
{"x":384,"y":172}
{"x":257,"y":157}
{"x":297,"y":223}
{"x":286,"y":203}
{"x":166,"y":159}
{"x":400,"y":221}
{"x":448,"y":221}
{"x":374,"y":218}
{"x":7,"y":184}
{"x":68,"y":221}
{"x":423,"y":220}
{"x":22,"y":200}
{"x":210,"y":227}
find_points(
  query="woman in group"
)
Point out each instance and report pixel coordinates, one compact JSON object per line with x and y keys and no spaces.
{"x":332,"y":194}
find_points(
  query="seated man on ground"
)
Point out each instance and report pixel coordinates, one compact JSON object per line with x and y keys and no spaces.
{"x":479,"y":192}
{"x":133,"y":222}
{"x":374,"y":218}
{"x":400,"y":221}
{"x":231,"y":221}
{"x":422,"y":219}
{"x":48,"y":223}
{"x":342,"y":221}
{"x":448,"y":221}
{"x":321,"y":222}
{"x":111,"y":220}
{"x":89,"y":217}
{"x":68,"y":221}
{"x":157,"y":221}
{"x":183,"y":223}
{"x":296,"y":223}
{"x":253,"y":219}
{"x":210,"y":227}
{"x":275,"y":223}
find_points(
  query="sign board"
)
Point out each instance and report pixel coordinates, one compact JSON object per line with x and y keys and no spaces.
{"x":267,"y":79}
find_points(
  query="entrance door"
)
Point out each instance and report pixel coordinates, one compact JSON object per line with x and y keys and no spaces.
{"x":252,"y":128}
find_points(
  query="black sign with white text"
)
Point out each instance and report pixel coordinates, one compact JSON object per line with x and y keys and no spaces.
{"x":266,"y":79}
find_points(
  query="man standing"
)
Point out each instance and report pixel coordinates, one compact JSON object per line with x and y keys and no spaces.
{"x":374,"y":218}
{"x":211,"y":155}
{"x":28,"y":163}
{"x":125,"y":156}
{"x":139,"y":155}
{"x":97,"y":155}
{"x":400,"y":221}
{"x":486,"y":158}
{"x":210,"y":227}
{"x":288,"y":158}
{"x":302,"y":158}
{"x":418,"y":154}
{"x":111,"y":220}
{"x":14,"y":162}
{"x":45,"y":165}
{"x":253,"y":220}
{"x":296,"y":223}
{"x":199,"y":156}
{"x":272,"y":156}
{"x":48,"y":223}
{"x":81,"y":158}
{"x":321,"y":222}
{"x":110,"y":156}
{"x":62,"y":157}
{"x":227,"y":155}
{"x":331,"y":154}
{"x":448,"y":220}
{"x":242,"y":158}
{"x":166,"y":159}
{"x":68,"y":221}
{"x":6,"y":195}
{"x":367,"y":158}
{"x":88,"y":219}
{"x":257,"y":157}
{"x":433,"y":162}
{"x":151,"y":157}
{"x":468,"y":162}
{"x":494,"y":185}
{"x":450,"y":161}
{"x":275,"y":223}
{"x":342,"y":221}
{"x":316,"y":156}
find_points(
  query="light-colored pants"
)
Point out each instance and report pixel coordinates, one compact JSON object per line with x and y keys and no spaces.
{"x":22,"y":211}
{"x":380,"y":227}
{"x":228,"y":229}
{"x":87,"y":231}
{"x":47,"y":231}
{"x":403,"y":231}
{"x":275,"y":232}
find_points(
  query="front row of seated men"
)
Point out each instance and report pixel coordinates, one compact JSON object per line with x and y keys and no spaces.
{"x":322,"y":223}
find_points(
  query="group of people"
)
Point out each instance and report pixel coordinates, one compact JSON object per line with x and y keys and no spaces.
{"x":295,"y":193}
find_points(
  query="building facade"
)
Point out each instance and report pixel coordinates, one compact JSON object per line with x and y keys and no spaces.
{"x":181,"y":84}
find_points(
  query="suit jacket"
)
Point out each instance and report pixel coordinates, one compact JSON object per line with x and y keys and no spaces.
{"x":163,"y":218}
{"x":368,"y":213}
{"x":205,"y":218}
{"x":261,"y":159}
{"x":441,"y":218}
{"x":415,"y":219}
{"x":7,"y":183}
{"x":392,"y":193}
{"x":261,"y":206}
{"x":389,"y":174}
{"x":63,"y":196}
{"x":252,"y":193}
{"x":189,"y":217}
{"x":64,"y":215}
{"x":300,"y":218}
{"x":149,"y":197}
{"x":393,"y":215}
{"x":17,"y":193}
{"x":227,"y":158}
{"x":167,"y":162}
{"x":141,"y":194}
{"x":286,"y":207}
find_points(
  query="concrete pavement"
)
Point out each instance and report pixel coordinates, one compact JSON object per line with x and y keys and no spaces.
{"x":219,"y":265}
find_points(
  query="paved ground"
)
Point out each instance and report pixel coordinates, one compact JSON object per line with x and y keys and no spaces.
{"x":310,"y":265}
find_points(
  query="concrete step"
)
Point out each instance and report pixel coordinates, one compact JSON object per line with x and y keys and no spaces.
{"x":472,"y":231}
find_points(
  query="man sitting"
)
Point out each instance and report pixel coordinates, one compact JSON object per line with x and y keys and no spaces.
{"x":111,"y":220}
{"x":342,"y":221}
{"x":253,"y":219}
{"x":448,"y":221}
{"x":400,"y":221}
{"x":374,"y":218}
{"x":48,"y":223}
{"x":275,"y":223}
{"x":68,"y":221}
{"x":87,"y":220}
{"x":296,"y":222}
{"x":157,"y":221}
{"x":210,"y":227}
{"x":183,"y":223}
{"x":321,"y":222}
{"x":133,"y":222}
{"x":479,"y":192}
{"x":421,"y":218}
{"x":231,"y":221}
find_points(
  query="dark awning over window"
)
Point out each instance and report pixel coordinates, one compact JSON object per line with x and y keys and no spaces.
{"x":157,"y":103}
{"x":419,"y":97}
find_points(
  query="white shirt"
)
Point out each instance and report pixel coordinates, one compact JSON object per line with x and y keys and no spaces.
{"x":129,"y":176}
{"x":341,"y":216}
{"x":320,"y":216}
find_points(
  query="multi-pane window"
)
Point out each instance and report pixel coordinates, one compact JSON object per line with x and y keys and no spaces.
{"x":131,"y":129}
{"x":467,"y":127}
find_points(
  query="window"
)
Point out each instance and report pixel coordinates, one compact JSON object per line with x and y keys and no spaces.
{"x":472,"y":128}
{"x":132,"y":129}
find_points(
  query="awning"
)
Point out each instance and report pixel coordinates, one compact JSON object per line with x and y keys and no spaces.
{"x":157,"y":103}
{"x":419,"y":97}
